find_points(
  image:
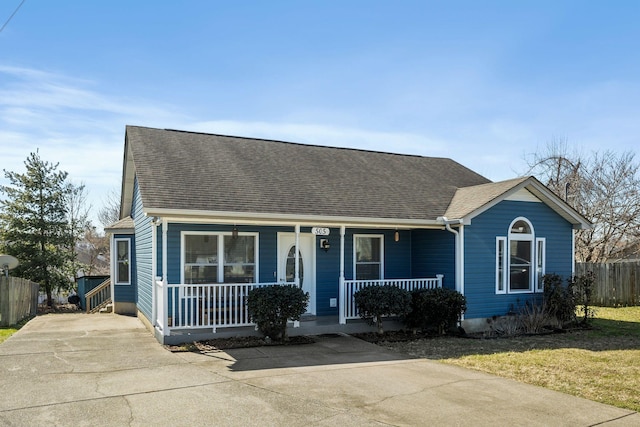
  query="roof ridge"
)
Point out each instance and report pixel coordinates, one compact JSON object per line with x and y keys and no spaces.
{"x":363,"y":150}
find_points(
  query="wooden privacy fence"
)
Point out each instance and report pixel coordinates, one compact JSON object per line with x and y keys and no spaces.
{"x":617,"y":284}
{"x":18,"y":299}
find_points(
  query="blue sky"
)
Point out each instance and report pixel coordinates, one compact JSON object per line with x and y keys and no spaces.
{"x":483,"y":83}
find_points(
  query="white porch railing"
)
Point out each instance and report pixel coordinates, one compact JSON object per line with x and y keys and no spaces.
{"x":216,"y":305}
{"x":349,"y":287}
{"x":204,"y":306}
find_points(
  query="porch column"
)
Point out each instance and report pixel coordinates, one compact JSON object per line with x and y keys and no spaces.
{"x":165,"y":229}
{"x":297,"y":258}
{"x":112,"y":270}
{"x":341,"y":301}
{"x":154,"y":273}
{"x":165,"y":280}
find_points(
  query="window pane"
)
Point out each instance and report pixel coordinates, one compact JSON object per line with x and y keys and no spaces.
{"x":540,"y":262}
{"x":369,"y":271}
{"x":239,"y":249}
{"x":291,"y":266}
{"x":520,"y":270}
{"x":201,"y":259}
{"x":123,"y":250}
{"x":123,"y":272}
{"x":199,"y":274}
{"x":239,"y":259}
{"x":521,"y":227}
{"x":238,"y":273}
{"x":368,"y":249}
{"x":500,"y":261}
{"x":201,"y":249}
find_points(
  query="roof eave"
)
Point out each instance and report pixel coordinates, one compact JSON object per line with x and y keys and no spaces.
{"x":227,"y":217}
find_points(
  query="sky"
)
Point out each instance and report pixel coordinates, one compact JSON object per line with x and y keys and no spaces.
{"x":483,"y":83}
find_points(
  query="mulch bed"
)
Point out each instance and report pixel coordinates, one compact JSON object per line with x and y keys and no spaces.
{"x":221,"y":344}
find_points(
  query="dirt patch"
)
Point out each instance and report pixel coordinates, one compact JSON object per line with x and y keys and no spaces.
{"x":58,"y":308}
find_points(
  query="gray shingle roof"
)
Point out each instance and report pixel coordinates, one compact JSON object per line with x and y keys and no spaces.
{"x":124,"y":225}
{"x":203,"y":172}
{"x":468,"y":199}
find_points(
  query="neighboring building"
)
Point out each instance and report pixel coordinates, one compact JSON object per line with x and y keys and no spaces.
{"x":206,"y":217}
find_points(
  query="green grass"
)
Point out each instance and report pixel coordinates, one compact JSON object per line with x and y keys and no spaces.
{"x":602,"y":364}
{"x":7,"y":331}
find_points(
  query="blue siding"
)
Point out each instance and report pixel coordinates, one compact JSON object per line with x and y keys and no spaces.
{"x":144,"y":276}
{"x":127,"y":293}
{"x":480,"y":253}
{"x":433,"y":252}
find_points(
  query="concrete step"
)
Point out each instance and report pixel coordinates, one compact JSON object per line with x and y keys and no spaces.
{"x":106,"y":309}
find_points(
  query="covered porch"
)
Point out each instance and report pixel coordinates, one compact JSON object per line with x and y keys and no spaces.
{"x":221,"y":309}
{"x":411,"y":257}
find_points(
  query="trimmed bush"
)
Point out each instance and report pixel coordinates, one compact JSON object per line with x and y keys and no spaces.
{"x":436,"y":311}
{"x":270,"y":308}
{"x":375,"y":302}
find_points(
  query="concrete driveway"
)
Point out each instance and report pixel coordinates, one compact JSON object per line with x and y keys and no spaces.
{"x":95,"y":370}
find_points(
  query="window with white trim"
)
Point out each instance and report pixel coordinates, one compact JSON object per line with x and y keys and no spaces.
{"x":123,"y":261}
{"x":214,"y":257}
{"x":501,"y":265}
{"x":368,"y":258}
{"x":520,"y":259}
{"x":541,"y":250}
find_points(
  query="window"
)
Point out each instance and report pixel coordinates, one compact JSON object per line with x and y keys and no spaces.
{"x":368,"y":259}
{"x":290,"y":268}
{"x":123,"y":261}
{"x":200,"y":259}
{"x":218,"y":258}
{"x":540,"y":263}
{"x":501,"y":265}
{"x":239,"y":259}
{"x":524,"y":261}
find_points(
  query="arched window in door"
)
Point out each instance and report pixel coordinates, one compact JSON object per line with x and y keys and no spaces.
{"x":290,"y":268}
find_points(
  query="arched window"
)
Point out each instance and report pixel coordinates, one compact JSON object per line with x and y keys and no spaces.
{"x":520,"y":255}
{"x":520,"y":259}
{"x":291,"y":266}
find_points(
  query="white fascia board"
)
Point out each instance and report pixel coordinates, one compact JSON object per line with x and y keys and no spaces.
{"x":177,"y":215}
{"x":119,"y":231}
{"x":559,"y":205}
{"x":128,"y":178}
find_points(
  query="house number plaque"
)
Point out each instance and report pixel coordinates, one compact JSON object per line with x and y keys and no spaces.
{"x":320,"y":231}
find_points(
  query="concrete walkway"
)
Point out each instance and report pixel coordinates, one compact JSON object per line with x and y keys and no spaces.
{"x":95,"y":370}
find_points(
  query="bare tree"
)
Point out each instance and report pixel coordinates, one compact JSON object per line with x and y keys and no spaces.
{"x":603,"y":186}
{"x":94,"y":253}
{"x":110,"y":211}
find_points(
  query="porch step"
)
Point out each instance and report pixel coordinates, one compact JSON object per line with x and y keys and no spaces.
{"x":106,"y":309}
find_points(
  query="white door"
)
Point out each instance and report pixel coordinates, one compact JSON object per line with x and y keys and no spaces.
{"x":307,"y":269}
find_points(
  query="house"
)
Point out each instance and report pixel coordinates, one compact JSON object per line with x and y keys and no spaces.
{"x":204,"y":218}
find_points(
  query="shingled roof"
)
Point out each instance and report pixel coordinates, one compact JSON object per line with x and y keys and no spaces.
{"x":187,"y":171}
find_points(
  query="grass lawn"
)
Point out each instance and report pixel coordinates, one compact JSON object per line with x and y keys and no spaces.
{"x":601,"y":364}
{"x":7,"y":331}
